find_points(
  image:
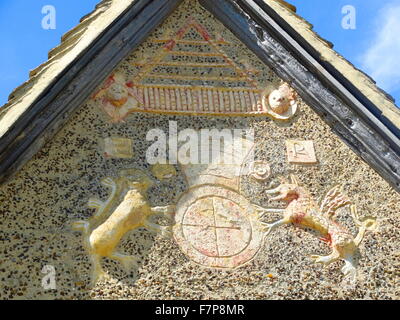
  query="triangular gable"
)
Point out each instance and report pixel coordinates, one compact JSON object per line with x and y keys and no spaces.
{"x":216,"y":183}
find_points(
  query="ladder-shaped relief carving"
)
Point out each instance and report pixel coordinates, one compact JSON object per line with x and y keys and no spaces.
{"x":203,"y":80}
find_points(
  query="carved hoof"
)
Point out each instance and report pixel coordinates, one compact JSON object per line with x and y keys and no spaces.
{"x":316,"y":258}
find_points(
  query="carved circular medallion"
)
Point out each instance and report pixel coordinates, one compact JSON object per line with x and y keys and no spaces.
{"x":216,"y":227}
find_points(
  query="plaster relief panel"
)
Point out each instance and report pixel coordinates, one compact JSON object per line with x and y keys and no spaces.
{"x":301,"y":152}
{"x":118,"y":148}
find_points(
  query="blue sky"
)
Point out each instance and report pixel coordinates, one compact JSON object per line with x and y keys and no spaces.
{"x":374,"y":46}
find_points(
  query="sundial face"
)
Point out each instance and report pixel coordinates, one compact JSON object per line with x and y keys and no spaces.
{"x":217,"y":227}
{"x":219,"y":221}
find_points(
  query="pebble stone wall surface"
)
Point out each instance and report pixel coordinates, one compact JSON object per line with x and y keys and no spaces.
{"x":38,"y":205}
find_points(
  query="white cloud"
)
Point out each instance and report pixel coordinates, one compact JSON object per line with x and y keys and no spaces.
{"x":382,"y":59}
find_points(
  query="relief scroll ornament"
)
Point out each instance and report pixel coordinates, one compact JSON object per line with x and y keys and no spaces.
{"x":260,"y":170}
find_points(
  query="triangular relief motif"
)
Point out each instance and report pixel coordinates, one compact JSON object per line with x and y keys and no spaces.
{"x":203,"y":80}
